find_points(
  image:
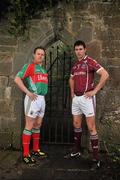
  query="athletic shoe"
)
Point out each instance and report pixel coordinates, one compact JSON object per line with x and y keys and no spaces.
{"x":73,"y":155}
{"x":28,"y":160}
{"x":39,"y":154}
{"x":95,"y":165}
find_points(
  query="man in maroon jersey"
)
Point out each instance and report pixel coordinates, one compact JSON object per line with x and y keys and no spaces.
{"x":35,"y":88}
{"x":83,"y":93}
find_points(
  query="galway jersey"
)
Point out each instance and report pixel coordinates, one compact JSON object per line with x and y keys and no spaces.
{"x":83,"y":74}
{"x":36,"y":78}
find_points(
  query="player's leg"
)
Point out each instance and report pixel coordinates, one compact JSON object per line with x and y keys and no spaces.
{"x":89,"y":111}
{"x":27,"y":132}
{"x":26,"y":137}
{"x":37,"y":127}
{"x":36,"y":138}
{"x":93,"y":136}
{"x":94,"y":141}
{"x":77,"y":118}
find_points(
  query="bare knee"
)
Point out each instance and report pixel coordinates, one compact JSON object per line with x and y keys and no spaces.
{"x":92,"y":131}
{"x":76,"y":124}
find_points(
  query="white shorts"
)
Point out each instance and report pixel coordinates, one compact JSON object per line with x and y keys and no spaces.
{"x":34,"y":108}
{"x":83,"y":105}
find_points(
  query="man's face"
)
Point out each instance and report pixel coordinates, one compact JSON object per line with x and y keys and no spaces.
{"x":39,"y":56}
{"x":80,"y":51}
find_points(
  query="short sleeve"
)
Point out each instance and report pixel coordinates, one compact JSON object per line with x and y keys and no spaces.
{"x":95,"y":65}
{"x":23,"y":73}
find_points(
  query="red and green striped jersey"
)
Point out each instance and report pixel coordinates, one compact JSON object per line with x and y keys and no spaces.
{"x":36,"y":78}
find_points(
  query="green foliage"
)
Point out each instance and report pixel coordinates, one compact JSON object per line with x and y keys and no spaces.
{"x":18,"y":17}
{"x":20,"y":11}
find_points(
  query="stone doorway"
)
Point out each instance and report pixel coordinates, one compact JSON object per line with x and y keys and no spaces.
{"x":57,"y":125}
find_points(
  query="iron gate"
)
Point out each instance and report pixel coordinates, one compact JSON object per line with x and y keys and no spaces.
{"x":57,"y":125}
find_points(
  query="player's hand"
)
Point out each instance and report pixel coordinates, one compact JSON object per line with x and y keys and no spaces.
{"x":89,"y":94}
{"x":32,"y":96}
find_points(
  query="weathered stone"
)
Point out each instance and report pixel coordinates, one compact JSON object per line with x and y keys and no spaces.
{"x":19,"y":60}
{"x":114,"y":45}
{"x":3,"y":81}
{"x":5,"y":68}
{"x":109,"y":53}
{"x":19,"y":108}
{"x":102,"y":8}
{"x":16,"y":139}
{"x":5,"y":64}
{"x":2,"y":91}
{"x":7,"y":49}
{"x":36,"y":33}
{"x":97,"y":23}
{"x":8,"y":41}
{"x":107,"y":34}
{"x":66,"y":37}
{"x":114,"y":77}
{"x":85,"y":34}
{"x":7,"y":92}
{"x":6,"y":108}
{"x":94,"y":50}
{"x":5,"y":139}
{"x":113,"y":62}
{"x":112,"y":21}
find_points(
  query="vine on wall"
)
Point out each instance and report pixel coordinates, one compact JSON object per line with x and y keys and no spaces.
{"x":19,"y":12}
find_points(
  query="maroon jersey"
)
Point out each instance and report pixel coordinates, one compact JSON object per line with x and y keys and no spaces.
{"x":83,"y":74}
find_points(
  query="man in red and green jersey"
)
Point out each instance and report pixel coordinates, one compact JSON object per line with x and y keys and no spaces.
{"x":32,"y":79}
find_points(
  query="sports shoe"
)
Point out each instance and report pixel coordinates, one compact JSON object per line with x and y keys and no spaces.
{"x":28,"y":160}
{"x":73,"y":155}
{"x":95,"y":165}
{"x":39,"y":154}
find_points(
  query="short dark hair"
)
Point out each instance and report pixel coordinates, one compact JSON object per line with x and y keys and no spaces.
{"x":80,"y":43}
{"x":39,"y":47}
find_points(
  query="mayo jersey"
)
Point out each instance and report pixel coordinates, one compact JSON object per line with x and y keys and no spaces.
{"x":83,"y":74}
{"x":36,"y":78}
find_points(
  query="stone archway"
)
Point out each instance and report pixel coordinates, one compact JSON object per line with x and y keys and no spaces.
{"x":67,"y":24}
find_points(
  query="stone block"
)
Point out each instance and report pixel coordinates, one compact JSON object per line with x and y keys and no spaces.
{"x":114,"y":45}
{"x":5,"y":139}
{"x":113,"y":62}
{"x":36,"y":33}
{"x":2,"y":92}
{"x":3,"y":81}
{"x":5,"y":68}
{"x":18,"y":62}
{"x":94,"y":50}
{"x":112,"y":21}
{"x":7,"y":49}
{"x":109,"y":53}
{"x":16,"y":139}
{"x":66,"y":37}
{"x":85,"y":34}
{"x":6,"y":108}
{"x":8,"y":41}
{"x":5,"y":64}
{"x":114,"y":76}
{"x":109,"y":133}
{"x":16,"y":93}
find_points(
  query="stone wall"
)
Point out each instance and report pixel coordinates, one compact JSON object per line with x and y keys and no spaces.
{"x":95,"y":22}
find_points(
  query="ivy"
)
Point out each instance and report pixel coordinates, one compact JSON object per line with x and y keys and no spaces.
{"x":18,"y":17}
{"x":20,"y":11}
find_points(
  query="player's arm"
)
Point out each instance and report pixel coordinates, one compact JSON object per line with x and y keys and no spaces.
{"x":71,"y":83}
{"x":103,"y":78}
{"x":23,"y":88}
{"x":21,"y":85}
